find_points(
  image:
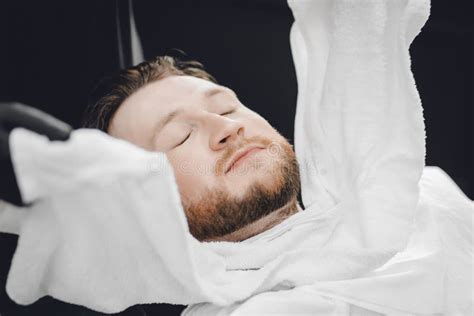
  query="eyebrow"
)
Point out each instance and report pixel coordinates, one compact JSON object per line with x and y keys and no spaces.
{"x":213,"y":91}
{"x":170,"y":116}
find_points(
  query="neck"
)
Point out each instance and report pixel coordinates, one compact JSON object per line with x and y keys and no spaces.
{"x":263,"y":224}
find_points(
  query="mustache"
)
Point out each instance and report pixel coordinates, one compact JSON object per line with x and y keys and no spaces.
{"x":276,"y":148}
{"x":230,"y":151}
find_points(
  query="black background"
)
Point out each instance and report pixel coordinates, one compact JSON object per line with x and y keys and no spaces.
{"x":53,"y":52}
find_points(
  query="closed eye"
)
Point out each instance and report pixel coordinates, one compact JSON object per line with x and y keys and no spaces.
{"x":229,"y":112}
{"x":184,"y":140}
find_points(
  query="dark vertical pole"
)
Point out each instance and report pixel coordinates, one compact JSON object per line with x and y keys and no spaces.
{"x":124,"y":39}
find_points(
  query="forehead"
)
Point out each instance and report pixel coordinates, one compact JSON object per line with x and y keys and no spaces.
{"x":170,"y":91}
{"x":140,"y":111}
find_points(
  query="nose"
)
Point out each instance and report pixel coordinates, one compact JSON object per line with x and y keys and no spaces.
{"x":225,"y":131}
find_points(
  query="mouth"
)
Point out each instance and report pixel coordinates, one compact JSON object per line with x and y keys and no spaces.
{"x":241,"y":155}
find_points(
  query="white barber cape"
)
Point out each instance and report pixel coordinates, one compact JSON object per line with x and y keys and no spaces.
{"x":380,"y":233}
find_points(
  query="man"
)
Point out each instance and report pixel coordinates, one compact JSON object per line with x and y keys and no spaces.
{"x":236,"y":174}
{"x":380,"y":234}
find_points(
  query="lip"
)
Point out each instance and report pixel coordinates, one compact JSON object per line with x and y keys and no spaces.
{"x":242,"y":154}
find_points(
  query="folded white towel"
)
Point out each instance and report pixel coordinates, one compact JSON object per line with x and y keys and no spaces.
{"x":108,"y":231}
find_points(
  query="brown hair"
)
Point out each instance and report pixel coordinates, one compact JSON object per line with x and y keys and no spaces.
{"x":114,"y":90}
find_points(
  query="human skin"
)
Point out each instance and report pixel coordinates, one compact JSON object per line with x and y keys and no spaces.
{"x":201,"y":141}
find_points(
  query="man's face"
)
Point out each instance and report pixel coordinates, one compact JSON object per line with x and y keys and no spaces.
{"x":203,"y":128}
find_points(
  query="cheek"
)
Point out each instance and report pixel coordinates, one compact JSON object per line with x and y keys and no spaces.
{"x":192,"y":174}
{"x":260,"y":127}
{"x":256,"y":122}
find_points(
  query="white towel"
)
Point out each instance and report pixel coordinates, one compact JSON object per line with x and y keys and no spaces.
{"x":108,"y":231}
